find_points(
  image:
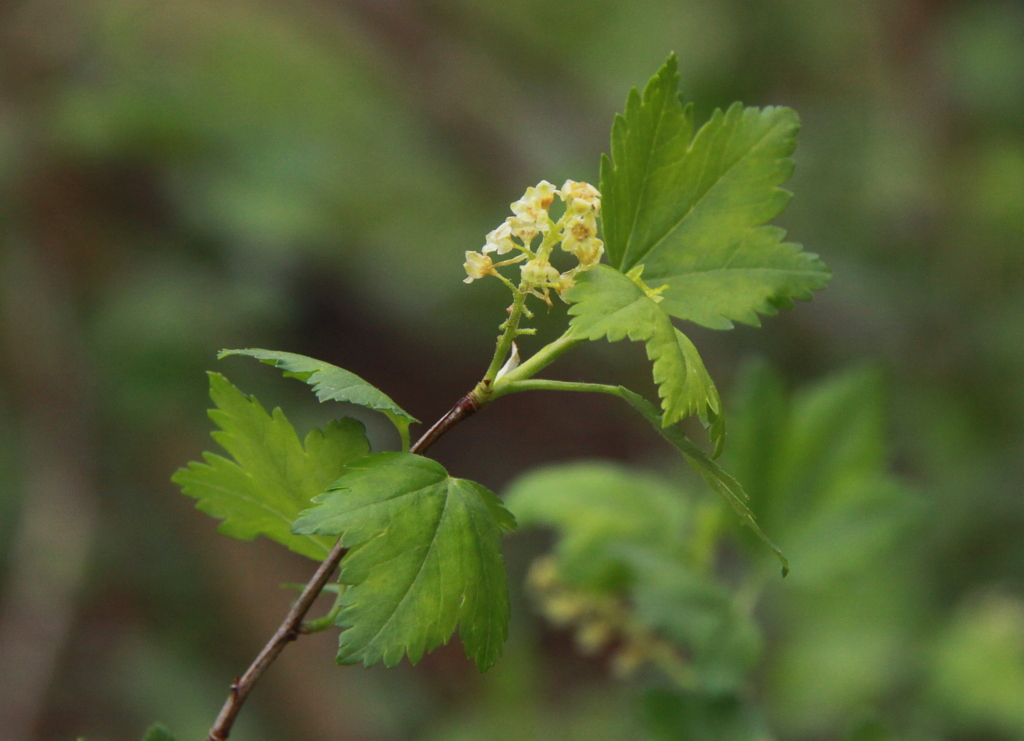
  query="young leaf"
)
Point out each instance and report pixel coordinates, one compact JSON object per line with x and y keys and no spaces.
{"x":331,"y":383}
{"x":692,"y":209}
{"x":607,"y":303}
{"x":273,"y":476}
{"x":722,"y":483}
{"x":424,"y":558}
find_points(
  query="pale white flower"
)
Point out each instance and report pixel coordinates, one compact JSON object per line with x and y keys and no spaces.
{"x":500,"y":240}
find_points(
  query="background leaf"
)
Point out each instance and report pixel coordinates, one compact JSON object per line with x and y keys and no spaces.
{"x":595,"y":506}
{"x":331,"y":383}
{"x":702,"y":717}
{"x":424,"y":558}
{"x":641,"y":540}
{"x":692,"y":212}
{"x":696,"y":611}
{"x":816,"y":468}
{"x":273,"y":476}
{"x":158,"y":732}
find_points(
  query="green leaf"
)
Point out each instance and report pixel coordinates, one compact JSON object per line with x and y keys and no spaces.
{"x":158,"y":732}
{"x":273,"y":476}
{"x":816,"y":466}
{"x":692,"y":209}
{"x":608,"y":304}
{"x":722,"y":483}
{"x":331,"y":383}
{"x":424,"y":558}
{"x":597,"y":506}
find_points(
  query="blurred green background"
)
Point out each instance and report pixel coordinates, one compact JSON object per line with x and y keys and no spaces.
{"x":179,"y":177}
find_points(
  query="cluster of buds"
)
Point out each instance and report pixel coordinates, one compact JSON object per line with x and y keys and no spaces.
{"x":575,"y":230}
{"x":603,"y":622}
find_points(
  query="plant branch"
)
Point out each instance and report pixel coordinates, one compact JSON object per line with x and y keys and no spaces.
{"x":291,"y":628}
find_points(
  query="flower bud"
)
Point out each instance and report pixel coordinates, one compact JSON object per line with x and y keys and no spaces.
{"x":538,"y":272}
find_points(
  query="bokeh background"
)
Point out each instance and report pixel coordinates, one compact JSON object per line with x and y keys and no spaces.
{"x":179,"y":177}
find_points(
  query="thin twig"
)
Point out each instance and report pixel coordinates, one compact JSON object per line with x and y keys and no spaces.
{"x":290,"y":628}
{"x":466,"y":406}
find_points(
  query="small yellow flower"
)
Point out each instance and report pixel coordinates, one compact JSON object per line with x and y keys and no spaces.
{"x":577,"y":230}
{"x":531,"y":211}
{"x":580,"y":198}
{"x":477,"y":266}
{"x":589,"y":253}
{"x":581,"y":240}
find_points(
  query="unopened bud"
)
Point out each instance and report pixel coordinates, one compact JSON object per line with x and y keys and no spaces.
{"x":538,"y":272}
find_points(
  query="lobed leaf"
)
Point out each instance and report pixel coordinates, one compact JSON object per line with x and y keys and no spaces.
{"x":608,"y":304}
{"x":424,"y":558}
{"x":693,"y":209}
{"x":273,"y":476}
{"x":331,"y":383}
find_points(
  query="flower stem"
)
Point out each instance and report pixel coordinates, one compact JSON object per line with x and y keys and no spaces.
{"x":511,"y":329}
{"x":543,"y":384}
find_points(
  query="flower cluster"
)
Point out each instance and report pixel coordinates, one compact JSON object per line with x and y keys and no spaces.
{"x":575,"y":230}
{"x":603,"y":622}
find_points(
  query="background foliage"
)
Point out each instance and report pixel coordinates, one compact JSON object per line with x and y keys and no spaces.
{"x":180,"y":177}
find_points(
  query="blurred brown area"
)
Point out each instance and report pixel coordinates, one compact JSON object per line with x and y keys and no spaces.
{"x":181,"y":177}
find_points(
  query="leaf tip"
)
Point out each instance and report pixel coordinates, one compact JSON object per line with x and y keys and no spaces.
{"x":671,"y":65}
